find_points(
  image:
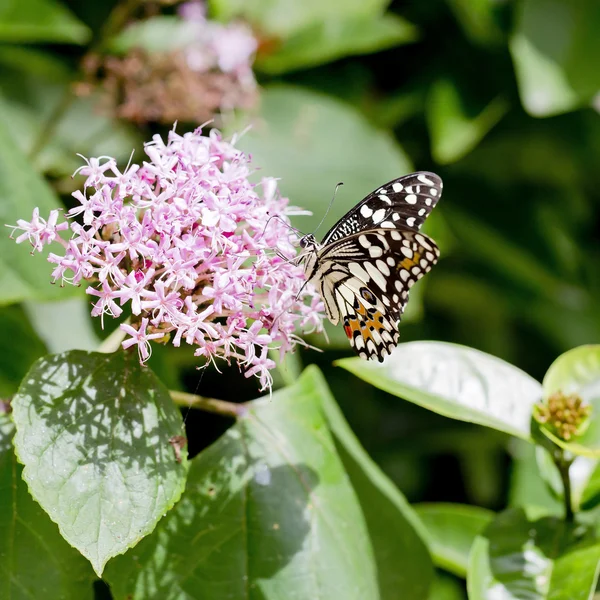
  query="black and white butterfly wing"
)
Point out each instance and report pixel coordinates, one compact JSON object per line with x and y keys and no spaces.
{"x":364,"y":280}
{"x":402,"y":203}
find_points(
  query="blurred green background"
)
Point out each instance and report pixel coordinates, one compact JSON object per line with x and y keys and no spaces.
{"x":500,"y":98}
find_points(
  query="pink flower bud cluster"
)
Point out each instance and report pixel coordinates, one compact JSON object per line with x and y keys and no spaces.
{"x":227,"y":47}
{"x":198,"y":252}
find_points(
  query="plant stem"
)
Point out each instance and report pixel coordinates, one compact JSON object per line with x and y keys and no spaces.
{"x":113,"y":342}
{"x":563,"y":465}
{"x":219,"y":407}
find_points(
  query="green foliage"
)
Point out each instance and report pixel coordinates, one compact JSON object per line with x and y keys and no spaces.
{"x":457,"y":382}
{"x":451,"y":531}
{"x":93,"y":434}
{"x":35,"y":561}
{"x":578,"y":372}
{"x":299,"y":497}
{"x":21,"y":190}
{"x":298,"y":130}
{"x":519,"y":557}
{"x":551,"y":47}
{"x":40,"y":21}
{"x":269,"y":508}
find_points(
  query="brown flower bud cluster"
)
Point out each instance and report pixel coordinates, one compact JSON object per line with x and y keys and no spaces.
{"x":164,"y":88}
{"x":565,"y":415}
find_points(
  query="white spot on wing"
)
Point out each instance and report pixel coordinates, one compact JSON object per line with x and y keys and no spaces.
{"x":378,"y":215}
{"x":410,"y":221}
{"x":365,"y":211}
{"x":382,"y":267}
{"x":397,"y":187}
{"x":364,"y":241}
{"x":411,"y":199}
{"x":425,"y":179}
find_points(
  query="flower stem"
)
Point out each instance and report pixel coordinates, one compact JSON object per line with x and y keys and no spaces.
{"x":219,"y":407}
{"x":113,"y":341}
{"x":563,"y":465}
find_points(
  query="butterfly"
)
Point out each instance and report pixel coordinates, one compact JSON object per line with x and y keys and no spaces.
{"x":368,"y":261}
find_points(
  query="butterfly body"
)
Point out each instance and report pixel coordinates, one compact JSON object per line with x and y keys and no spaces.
{"x":369,"y":260}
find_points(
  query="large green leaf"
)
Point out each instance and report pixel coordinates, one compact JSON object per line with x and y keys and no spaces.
{"x":93,"y":433}
{"x":517,"y":557}
{"x":403,"y":562}
{"x":283,"y":18}
{"x":268,"y":513}
{"x":35,"y":561}
{"x":455,"y":381}
{"x":578,"y":372}
{"x":555,"y":48}
{"x":21,"y":189}
{"x":451,"y":531}
{"x":454,"y":130}
{"x":328,"y":40}
{"x":40,"y":21}
{"x":311,"y":142}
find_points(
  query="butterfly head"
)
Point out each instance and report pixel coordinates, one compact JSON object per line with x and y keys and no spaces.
{"x":308,"y":241}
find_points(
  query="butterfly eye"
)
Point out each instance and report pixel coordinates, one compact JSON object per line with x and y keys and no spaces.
{"x":367,"y":295}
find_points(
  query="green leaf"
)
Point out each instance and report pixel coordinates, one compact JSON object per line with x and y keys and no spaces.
{"x":477,"y":18}
{"x":65,"y":325}
{"x":454,"y":130}
{"x":457,"y":382}
{"x":311,"y":142}
{"x":452,"y":529}
{"x":35,"y":561}
{"x":93,"y":433}
{"x":590,"y":496}
{"x":446,"y":588}
{"x":329,"y":40}
{"x":25,"y":21}
{"x":578,"y":372}
{"x":23,"y":276}
{"x":283,"y":18}
{"x":555,"y":48}
{"x":402,"y":559}
{"x":268,"y":513}
{"x":19,"y":348}
{"x":517,"y":558}
{"x":163,"y":33}
{"x":527,"y":486}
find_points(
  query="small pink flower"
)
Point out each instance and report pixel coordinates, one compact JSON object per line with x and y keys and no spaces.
{"x":140,"y":338}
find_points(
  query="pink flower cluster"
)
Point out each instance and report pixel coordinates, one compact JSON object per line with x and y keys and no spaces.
{"x":199,"y":253}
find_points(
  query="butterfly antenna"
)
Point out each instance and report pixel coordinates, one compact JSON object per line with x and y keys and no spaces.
{"x":282,"y":221}
{"x":329,"y":207}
